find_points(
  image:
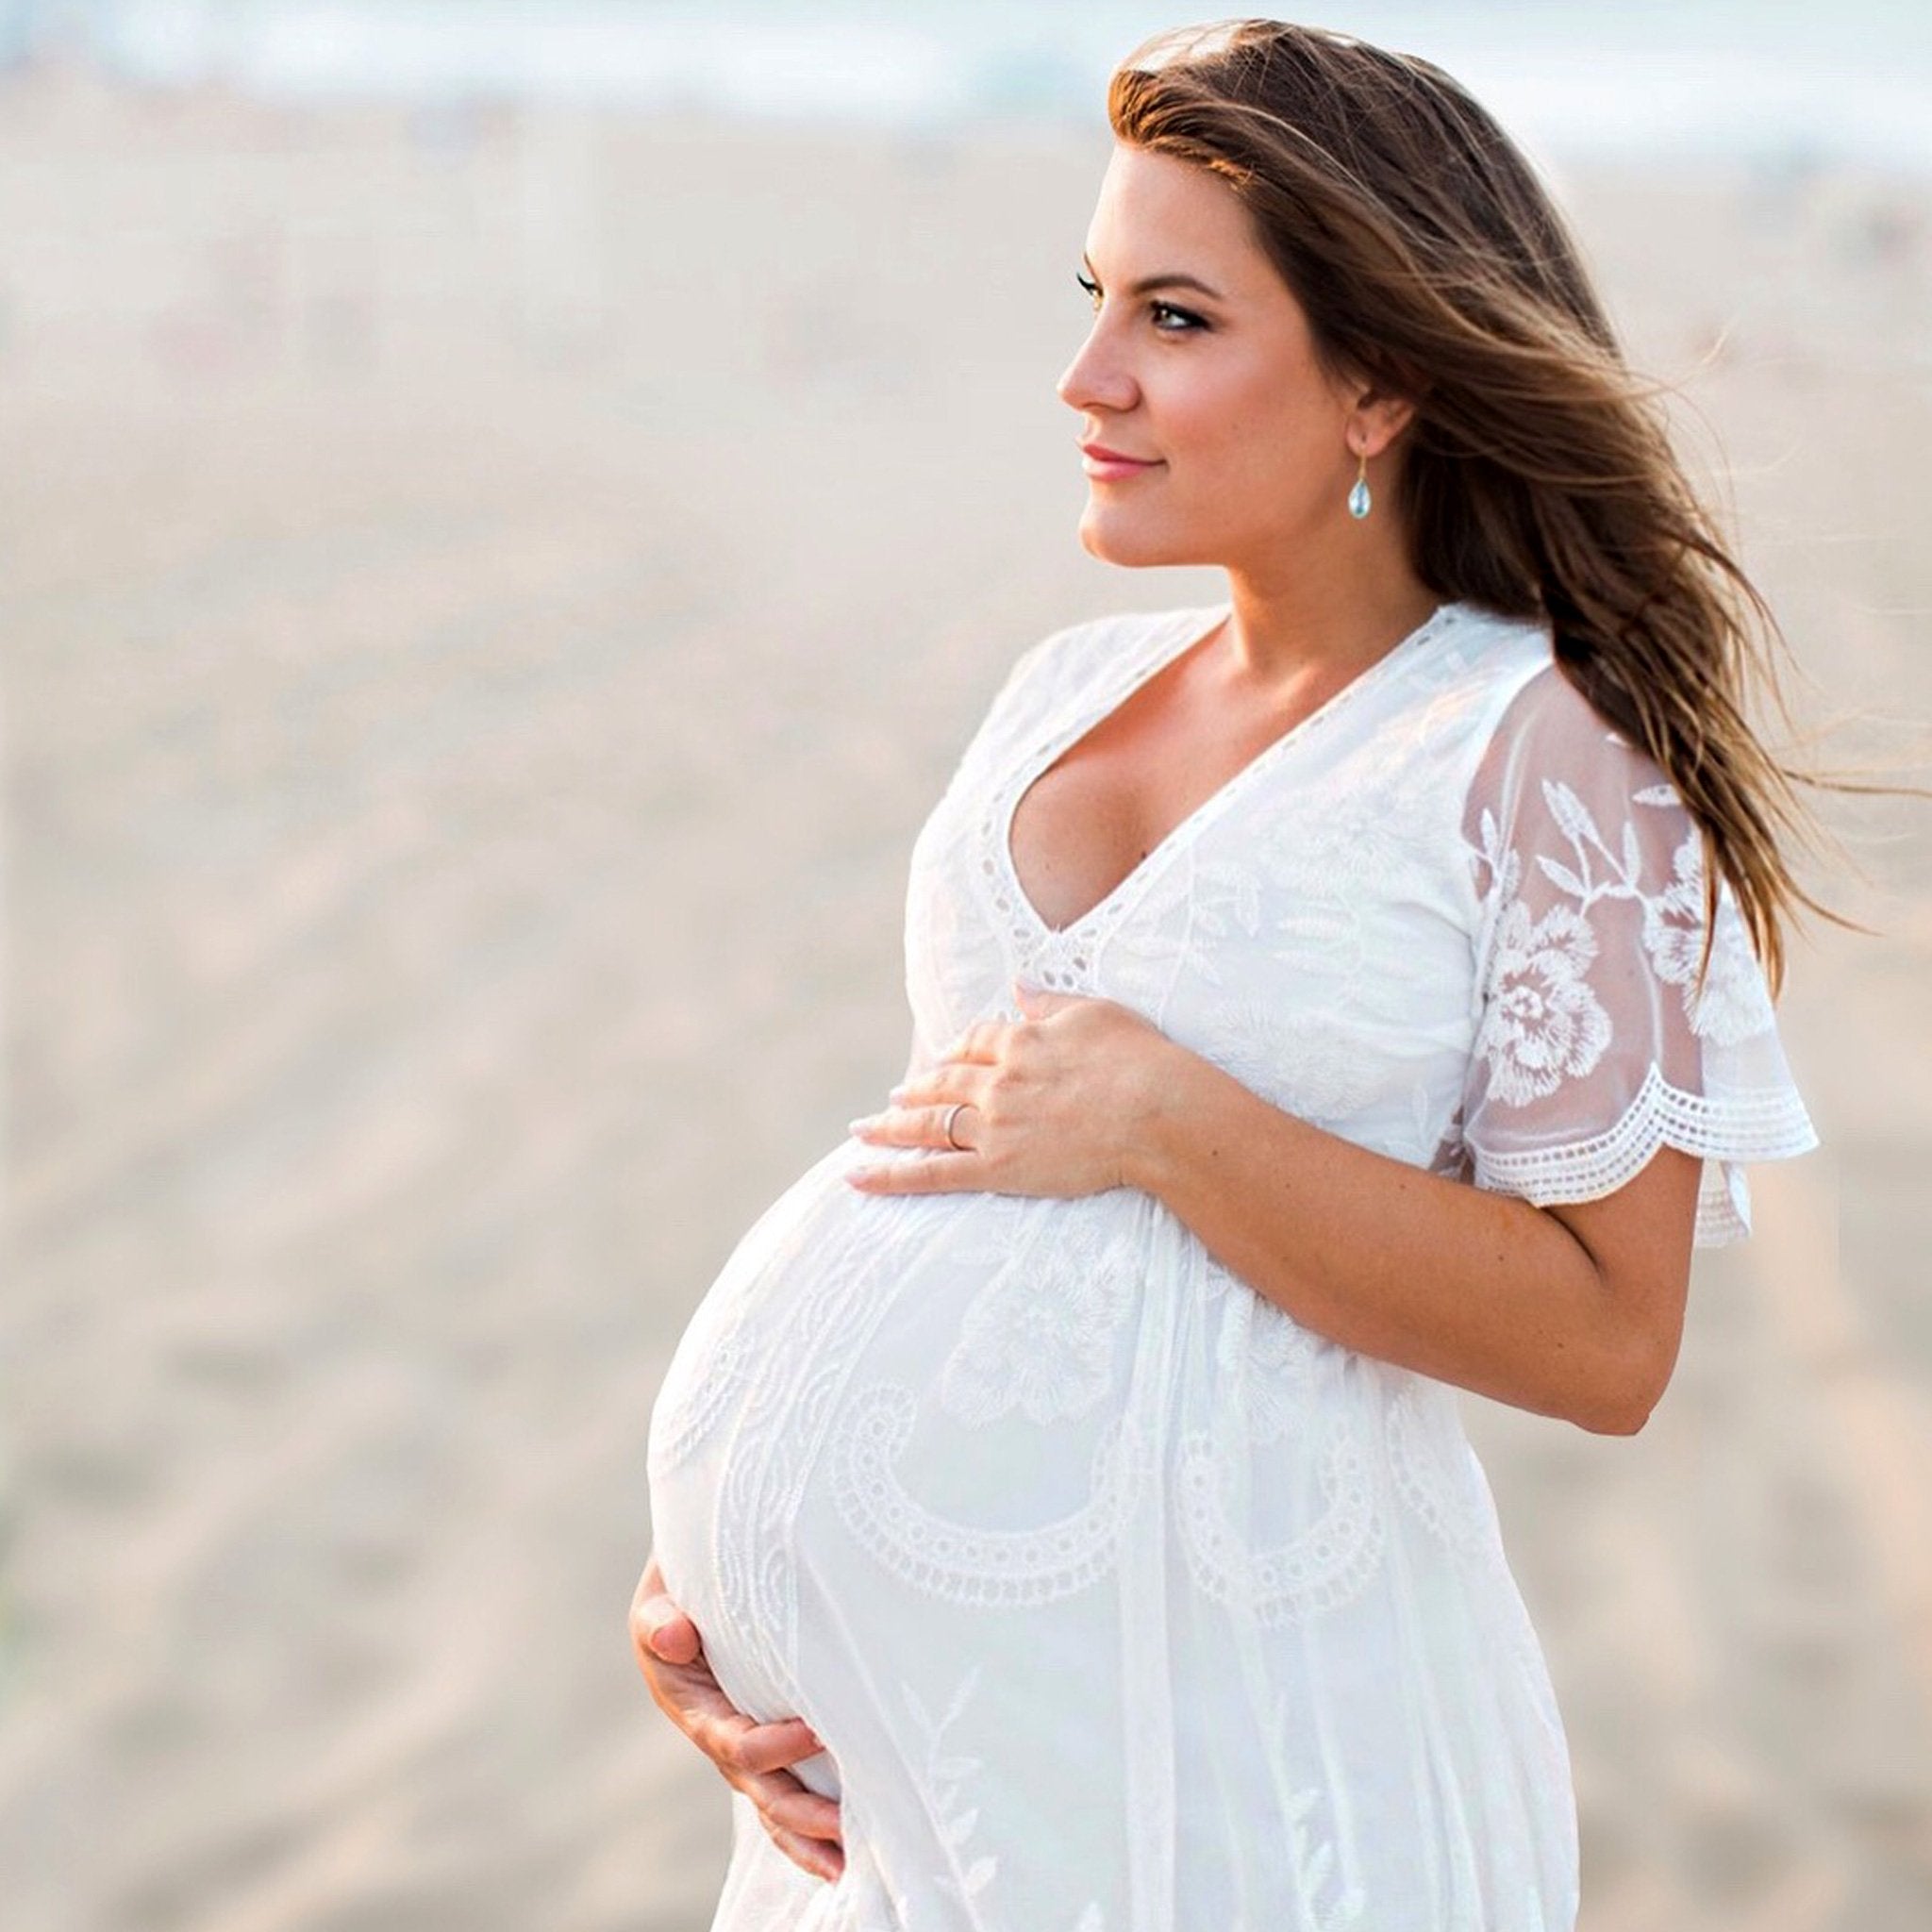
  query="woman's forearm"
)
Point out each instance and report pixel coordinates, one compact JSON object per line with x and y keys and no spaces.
{"x":1477,"y":1288}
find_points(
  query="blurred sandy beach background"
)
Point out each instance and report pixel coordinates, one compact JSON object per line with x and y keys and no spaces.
{"x":506,"y":523}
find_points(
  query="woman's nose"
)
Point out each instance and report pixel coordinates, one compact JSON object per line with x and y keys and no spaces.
{"x":1096,"y":379}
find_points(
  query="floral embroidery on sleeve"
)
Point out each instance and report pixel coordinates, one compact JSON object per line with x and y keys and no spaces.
{"x":1542,"y":1022}
{"x":1735,"y":1003}
{"x":1593,"y":1044}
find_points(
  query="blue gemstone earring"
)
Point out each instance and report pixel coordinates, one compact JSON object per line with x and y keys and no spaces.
{"x":1358,"y":499}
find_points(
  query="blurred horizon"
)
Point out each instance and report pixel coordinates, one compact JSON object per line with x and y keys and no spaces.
{"x":1646,"y":79}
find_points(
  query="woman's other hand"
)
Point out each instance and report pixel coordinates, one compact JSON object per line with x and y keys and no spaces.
{"x":750,"y":1755}
{"x":1056,"y":1101}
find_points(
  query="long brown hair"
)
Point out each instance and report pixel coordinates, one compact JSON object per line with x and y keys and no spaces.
{"x":1539,"y":479}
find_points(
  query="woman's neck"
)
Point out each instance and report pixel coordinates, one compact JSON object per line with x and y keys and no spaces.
{"x":1326,"y":622}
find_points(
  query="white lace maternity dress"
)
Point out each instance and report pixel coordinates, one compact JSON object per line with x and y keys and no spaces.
{"x":1120,"y":1602}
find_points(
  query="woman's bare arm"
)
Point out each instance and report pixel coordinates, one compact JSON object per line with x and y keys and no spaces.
{"x":1573,"y":1311}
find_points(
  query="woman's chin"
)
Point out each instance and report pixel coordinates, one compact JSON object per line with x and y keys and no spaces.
{"x":1118,"y":540}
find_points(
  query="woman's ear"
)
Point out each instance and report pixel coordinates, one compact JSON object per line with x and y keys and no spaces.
{"x":1380,"y":416}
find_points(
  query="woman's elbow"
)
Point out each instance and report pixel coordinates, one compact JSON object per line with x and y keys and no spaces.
{"x":1626,"y":1397}
{"x":1622,"y":1420}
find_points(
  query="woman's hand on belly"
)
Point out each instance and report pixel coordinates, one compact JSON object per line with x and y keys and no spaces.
{"x":1052,"y":1103}
{"x":751,"y":1755}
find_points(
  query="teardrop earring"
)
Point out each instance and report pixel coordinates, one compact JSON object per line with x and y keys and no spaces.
{"x":1358,"y":498}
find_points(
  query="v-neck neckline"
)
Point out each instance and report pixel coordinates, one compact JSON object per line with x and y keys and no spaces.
{"x":1144,"y":671}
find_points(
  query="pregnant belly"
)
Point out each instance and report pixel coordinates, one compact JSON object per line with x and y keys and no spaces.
{"x":977,"y":1481}
{"x":966,"y":1397}
{"x":946,"y":1380}
{"x":757,"y":1388}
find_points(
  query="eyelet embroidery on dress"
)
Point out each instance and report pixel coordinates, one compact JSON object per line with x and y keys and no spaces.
{"x":1061,"y":962}
{"x":956,"y":1562}
{"x":1328,"y":1564}
{"x":1743,"y":1127}
{"x":1027,"y":934}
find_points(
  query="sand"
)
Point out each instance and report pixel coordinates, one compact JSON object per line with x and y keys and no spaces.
{"x":488,"y":601}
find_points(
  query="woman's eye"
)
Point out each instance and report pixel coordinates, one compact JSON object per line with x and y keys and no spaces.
{"x":1167,"y":319}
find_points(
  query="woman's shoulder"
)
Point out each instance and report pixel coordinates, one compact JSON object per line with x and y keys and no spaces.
{"x":1503,"y":677}
{"x":1545,"y":726}
{"x":1095,"y":639}
{"x":1493,"y":711}
{"x":1483,"y":649}
{"x":1065,"y":662}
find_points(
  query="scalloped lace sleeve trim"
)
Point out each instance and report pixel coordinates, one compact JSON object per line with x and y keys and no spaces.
{"x":1770,"y":1124}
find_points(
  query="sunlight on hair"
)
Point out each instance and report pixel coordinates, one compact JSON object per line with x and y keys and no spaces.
{"x":1176,"y":45}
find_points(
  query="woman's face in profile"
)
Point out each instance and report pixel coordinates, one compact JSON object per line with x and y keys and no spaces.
{"x":1199,"y":364}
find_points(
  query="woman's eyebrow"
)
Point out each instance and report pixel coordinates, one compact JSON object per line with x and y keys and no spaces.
{"x":1172,"y":278}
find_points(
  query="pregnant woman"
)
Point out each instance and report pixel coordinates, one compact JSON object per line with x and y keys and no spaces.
{"x":1326,"y":999}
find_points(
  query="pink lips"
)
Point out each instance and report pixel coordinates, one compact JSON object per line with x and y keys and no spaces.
{"x":1108,"y":465}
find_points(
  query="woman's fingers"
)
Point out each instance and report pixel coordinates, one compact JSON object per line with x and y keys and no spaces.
{"x":821,"y":1860}
{"x":957,"y":1073}
{"x":741,"y":1747}
{"x":750,"y":1755}
{"x":801,"y":1824}
{"x":773,"y":1746}
{"x":912,"y":1126}
{"x":692,"y":1699}
{"x":986,"y":1040}
{"x":942,"y":1173}
{"x":786,"y":1805}
{"x":657,"y":1624}
{"x":950,"y":1080}
{"x":734,"y":1740}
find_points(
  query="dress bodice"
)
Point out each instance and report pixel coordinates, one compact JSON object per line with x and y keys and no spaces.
{"x":1358,"y":925}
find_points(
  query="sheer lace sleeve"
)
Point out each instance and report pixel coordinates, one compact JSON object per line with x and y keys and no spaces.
{"x":1593,"y":1048}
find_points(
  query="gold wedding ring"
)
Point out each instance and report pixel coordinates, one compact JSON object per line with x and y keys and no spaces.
{"x":953,"y":1114}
